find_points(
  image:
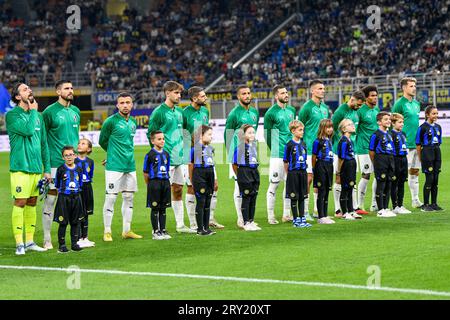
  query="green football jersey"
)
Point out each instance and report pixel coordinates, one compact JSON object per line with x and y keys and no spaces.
{"x":410,"y":110}
{"x":276,"y":128}
{"x":170,"y":121}
{"x":63,"y":127}
{"x":367,"y":126}
{"x":28,"y":141}
{"x":117,"y":139}
{"x":311,"y":114}
{"x":238,"y":117}
{"x":193,"y":118}
{"x":341,"y":113}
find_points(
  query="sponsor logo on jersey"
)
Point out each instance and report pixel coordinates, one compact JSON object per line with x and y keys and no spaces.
{"x":18,"y":189}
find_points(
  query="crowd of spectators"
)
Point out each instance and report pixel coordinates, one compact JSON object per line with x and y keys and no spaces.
{"x":335,"y":39}
{"x":186,"y":40}
{"x":196,"y":41}
{"x":41,"y":45}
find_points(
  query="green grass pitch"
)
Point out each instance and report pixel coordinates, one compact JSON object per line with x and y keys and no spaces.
{"x":411,"y":251}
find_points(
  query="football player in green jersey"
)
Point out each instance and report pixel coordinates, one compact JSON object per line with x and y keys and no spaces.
{"x":409,"y":108}
{"x":277,"y":134}
{"x":310,"y":114}
{"x":28,"y":158}
{"x":366,"y":127}
{"x":62,"y":122}
{"x":348,"y":110}
{"x":194,"y":116}
{"x":242,"y":114}
{"x":168,"y":118}
{"x":117,"y":139}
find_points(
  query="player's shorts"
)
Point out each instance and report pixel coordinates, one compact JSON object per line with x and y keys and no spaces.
{"x":323,"y":174}
{"x":384,"y":167}
{"x":51,"y":185}
{"x":248,"y":180}
{"x":431,"y":159}
{"x":401,"y":168}
{"x":203,"y":181}
{"x":87,"y":196}
{"x":413,"y":159}
{"x":186,"y":175}
{"x":158,"y":194}
{"x":365,"y":165}
{"x":177,"y":175}
{"x":309,"y":165}
{"x":24,"y":185}
{"x":276,"y":170}
{"x":69,"y":209}
{"x":348,"y":174}
{"x":120,"y":181}
{"x":297,"y":185}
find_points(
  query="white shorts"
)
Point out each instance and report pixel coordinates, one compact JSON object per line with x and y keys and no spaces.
{"x":276,"y":170}
{"x":177,"y":174}
{"x":365,"y":165}
{"x":309,"y":168}
{"x":186,"y":175}
{"x":53,"y":174}
{"x":413,"y":159}
{"x":120,"y":181}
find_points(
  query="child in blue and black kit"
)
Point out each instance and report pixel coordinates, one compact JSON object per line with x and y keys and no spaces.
{"x":156,"y":176}
{"x":201,"y":173}
{"x":346,"y":172}
{"x":428,"y":141}
{"x":87,"y":195}
{"x":322,"y":163}
{"x":245,"y":166}
{"x":401,"y":164}
{"x":296,"y":177}
{"x":381,"y":151}
{"x":69,"y":207}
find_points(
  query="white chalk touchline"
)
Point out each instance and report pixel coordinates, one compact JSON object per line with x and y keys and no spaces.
{"x":237,"y":279}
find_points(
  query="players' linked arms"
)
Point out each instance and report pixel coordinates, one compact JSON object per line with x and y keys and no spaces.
{"x":104,"y":162}
{"x":372,"y":155}
{"x":146,"y":178}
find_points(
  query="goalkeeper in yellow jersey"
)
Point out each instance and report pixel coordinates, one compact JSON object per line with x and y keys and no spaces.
{"x":28,"y":158}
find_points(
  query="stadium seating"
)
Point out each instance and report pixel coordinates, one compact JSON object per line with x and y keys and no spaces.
{"x":331,"y":40}
{"x":41,"y":45}
{"x":184,"y":40}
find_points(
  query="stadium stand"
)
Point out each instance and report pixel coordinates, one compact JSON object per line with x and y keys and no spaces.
{"x":184,"y":40}
{"x":331,"y":40}
{"x":41,"y":45}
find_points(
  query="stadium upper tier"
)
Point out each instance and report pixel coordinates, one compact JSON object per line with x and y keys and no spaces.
{"x":194,"y":42}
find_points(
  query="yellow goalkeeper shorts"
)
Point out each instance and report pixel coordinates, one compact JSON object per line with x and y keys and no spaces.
{"x":24,"y":185}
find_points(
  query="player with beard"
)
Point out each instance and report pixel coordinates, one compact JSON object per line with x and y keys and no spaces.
{"x":409,"y":108}
{"x":28,"y":156}
{"x":117,"y":139}
{"x":277,"y":134}
{"x":62,"y":122}
{"x":194,"y":116}
{"x":241,"y":114}
{"x":348,"y":110}
{"x":367,"y":126}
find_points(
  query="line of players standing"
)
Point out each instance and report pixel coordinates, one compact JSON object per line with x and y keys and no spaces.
{"x":165,"y":128}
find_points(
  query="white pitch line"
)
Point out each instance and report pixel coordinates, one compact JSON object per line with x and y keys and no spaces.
{"x":236,"y":279}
